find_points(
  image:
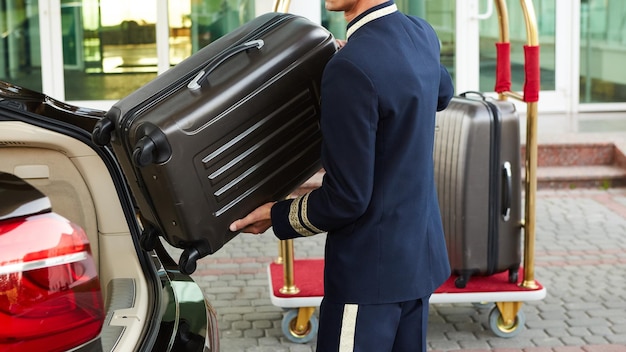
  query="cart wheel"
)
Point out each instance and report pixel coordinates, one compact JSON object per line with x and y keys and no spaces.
{"x":289,"y":327}
{"x":498,"y":327}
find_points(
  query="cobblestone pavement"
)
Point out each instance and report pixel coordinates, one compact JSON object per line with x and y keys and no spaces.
{"x":580,"y":259}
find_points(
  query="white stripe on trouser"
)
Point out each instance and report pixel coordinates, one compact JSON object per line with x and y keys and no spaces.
{"x":348,"y":328}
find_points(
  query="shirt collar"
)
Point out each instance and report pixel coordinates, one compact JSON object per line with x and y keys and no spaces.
{"x":371,"y":14}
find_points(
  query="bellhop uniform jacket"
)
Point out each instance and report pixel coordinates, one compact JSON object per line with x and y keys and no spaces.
{"x":378,"y":201}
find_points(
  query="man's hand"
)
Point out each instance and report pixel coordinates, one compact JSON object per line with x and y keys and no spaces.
{"x":257,"y":222}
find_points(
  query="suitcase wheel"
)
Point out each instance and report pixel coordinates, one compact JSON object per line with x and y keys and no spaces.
{"x":188,"y":261}
{"x":143,"y":155}
{"x":152,"y":148}
{"x":148,"y":238}
{"x":101,"y":134}
{"x":461,"y":281}
{"x":513,"y":275}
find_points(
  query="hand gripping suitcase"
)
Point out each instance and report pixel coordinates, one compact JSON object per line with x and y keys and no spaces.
{"x":231,"y":127}
{"x":478,"y":174}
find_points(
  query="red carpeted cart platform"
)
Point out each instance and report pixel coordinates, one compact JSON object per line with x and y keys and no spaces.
{"x":300,"y":300}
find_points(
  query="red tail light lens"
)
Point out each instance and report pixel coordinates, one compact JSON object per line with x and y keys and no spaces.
{"x":50,"y":297}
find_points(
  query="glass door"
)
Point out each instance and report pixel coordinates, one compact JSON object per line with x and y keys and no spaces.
{"x":602,"y":53}
{"x":20,"y":59}
{"x":476,"y":50}
{"x":109,"y":47}
{"x":489,"y":35}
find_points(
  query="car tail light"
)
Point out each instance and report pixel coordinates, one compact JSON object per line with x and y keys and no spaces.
{"x":50,"y":296}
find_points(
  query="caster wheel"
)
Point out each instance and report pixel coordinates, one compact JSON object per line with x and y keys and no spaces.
{"x":188,"y":261}
{"x":289,"y":327}
{"x":498,"y":326}
{"x":101,"y":134}
{"x":148,"y":239}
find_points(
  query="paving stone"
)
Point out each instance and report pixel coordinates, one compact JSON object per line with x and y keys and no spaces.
{"x":301,"y":348}
{"x":241,"y":325}
{"x":445,"y":345}
{"x":254,"y":333}
{"x":572,"y":341}
{"x":595,"y":340}
{"x":605,"y":348}
{"x":267,"y":349}
{"x":473,"y":344}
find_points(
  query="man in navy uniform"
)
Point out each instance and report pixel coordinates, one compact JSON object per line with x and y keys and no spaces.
{"x":385,"y":250}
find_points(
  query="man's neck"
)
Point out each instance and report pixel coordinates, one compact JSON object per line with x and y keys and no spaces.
{"x":361,"y":7}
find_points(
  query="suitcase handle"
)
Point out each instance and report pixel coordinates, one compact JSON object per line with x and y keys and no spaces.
{"x":507,"y":194}
{"x":474,"y":92}
{"x":196,"y":83}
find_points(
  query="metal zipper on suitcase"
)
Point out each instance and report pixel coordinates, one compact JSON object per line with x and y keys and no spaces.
{"x":494,"y":189}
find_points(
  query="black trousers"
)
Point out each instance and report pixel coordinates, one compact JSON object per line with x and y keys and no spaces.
{"x":394,"y":327}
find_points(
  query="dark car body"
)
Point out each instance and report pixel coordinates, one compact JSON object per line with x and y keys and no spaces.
{"x":148,"y":305}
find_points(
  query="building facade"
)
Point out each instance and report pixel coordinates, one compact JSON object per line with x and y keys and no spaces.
{"x":94,"y":52}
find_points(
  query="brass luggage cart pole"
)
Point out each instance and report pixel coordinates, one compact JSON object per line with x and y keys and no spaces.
{"x":289,"y":286}
{"x":281,"y":5}
{"x":530,"y":96}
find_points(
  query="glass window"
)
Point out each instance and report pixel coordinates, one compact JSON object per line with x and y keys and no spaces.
{"x":442,"y":16}
{"x":20,"y":53}
{"x":602,"y":51}
{"x":211,"y":19}
{"x":489,"y":34}
{"x":110,"y":47}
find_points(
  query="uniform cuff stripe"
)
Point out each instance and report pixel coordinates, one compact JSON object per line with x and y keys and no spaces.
{"x":298,"y":218}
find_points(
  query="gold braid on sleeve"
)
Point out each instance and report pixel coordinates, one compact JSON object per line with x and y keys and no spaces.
{"x":298,"y":217}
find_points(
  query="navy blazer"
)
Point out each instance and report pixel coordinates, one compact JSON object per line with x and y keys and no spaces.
{"x":378,"y":201}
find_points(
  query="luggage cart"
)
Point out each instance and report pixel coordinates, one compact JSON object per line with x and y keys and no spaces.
{"x":506,"y":318}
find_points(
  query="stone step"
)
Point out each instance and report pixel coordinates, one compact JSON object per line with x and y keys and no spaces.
{"x":586,"y":176}
{"x":579,"y":165}
{"x":564,"y":165}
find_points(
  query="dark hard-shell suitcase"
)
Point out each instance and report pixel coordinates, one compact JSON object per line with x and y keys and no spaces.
{"x":478,"y":174}
{"x":231,"y":127}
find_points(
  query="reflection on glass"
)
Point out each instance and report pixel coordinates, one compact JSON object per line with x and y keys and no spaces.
{"x":179,"y":17}
{"x":602,"y":51}
{"x":440,"y":14}
{"x":211,"y":19}
{"x":489,"y":35}
{"x":110,"y":47}
{"x":20,"y":53}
